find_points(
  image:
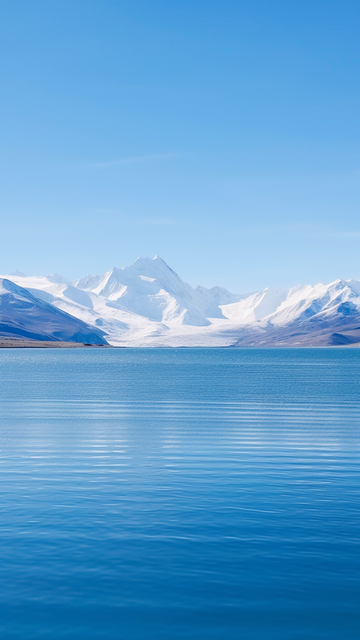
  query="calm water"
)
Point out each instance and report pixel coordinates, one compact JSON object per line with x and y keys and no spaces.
{"x":180,"y":494}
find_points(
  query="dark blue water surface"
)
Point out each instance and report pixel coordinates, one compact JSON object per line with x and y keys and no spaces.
{"x":186,"y":493}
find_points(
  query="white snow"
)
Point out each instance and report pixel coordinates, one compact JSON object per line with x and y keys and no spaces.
{"x":255,"y":307}
{"x":315,"y":300}
{"x":147,"y":304}
{"x":24,"y":315}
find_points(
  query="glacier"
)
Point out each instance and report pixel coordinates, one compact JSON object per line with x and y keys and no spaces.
{"x":148,"y":304}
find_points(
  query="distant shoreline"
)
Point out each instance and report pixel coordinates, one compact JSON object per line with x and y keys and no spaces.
{"x":49,"y":344}
{"x":44,"y":344}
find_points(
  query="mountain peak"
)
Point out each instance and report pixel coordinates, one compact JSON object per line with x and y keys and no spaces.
{"x":147,"y":303}
{"x":160,"y":259}
{"x":147,"y":260}
{"x":7,"y":285}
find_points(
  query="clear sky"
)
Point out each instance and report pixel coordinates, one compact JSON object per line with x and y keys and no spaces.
{"x":221,"y":135}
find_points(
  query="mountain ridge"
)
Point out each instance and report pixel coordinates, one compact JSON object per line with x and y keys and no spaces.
{"x":23,"y":315}
{"x":148,"y":304}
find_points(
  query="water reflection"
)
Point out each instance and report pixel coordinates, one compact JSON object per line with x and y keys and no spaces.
{"x":179,"y":493}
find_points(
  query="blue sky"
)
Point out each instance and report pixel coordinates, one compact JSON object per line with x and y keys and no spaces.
{"x":222,"y":135}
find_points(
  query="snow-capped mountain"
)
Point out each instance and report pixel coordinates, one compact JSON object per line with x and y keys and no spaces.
{"x":256,"y":306}
{"x":148,"y":304}
{"x":150,"y":289}
{"x":23,"y":315}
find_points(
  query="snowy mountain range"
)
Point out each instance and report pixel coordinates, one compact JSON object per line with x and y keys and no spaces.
{"x":148,"y":304}
{"x":25,"y":316}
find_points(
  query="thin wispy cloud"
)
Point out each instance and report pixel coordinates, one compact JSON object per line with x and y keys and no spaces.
{"x":126,"y":161}
{"x":164,"y":222}
{"x":347,"y":234}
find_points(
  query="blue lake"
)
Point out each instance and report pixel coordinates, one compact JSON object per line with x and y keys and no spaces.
{"x":180,"y":493}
